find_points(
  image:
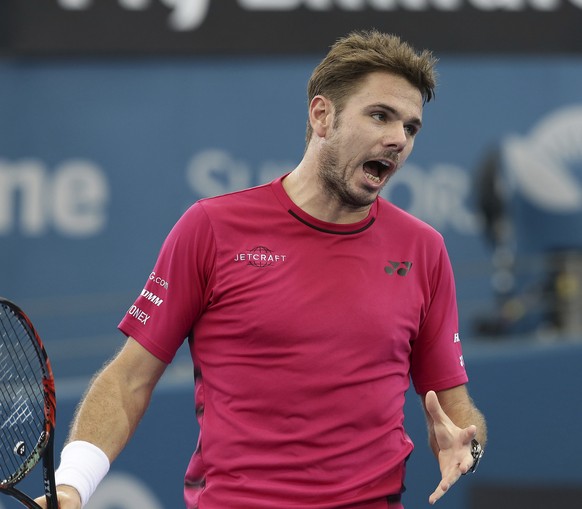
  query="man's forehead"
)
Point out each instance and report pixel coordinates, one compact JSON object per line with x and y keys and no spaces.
{"x":389,"y":89}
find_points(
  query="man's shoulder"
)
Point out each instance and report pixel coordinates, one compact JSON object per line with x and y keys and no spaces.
{"x":245,"y":206}
{"x":244,"y":197}
{"x":399,"y":218}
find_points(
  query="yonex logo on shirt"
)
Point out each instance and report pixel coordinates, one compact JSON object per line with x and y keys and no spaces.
{"x":400,"y":268}
{"x":138,"y":314}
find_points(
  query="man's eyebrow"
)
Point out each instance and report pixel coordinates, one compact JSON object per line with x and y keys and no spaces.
{"x":414,"y":120}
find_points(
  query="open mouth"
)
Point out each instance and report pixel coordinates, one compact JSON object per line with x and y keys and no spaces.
{"x":377,"y":170}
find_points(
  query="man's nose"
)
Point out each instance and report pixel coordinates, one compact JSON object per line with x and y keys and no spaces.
{"x":395,"y":137}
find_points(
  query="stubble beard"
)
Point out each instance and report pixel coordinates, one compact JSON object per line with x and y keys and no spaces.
{"x":335,"y":182}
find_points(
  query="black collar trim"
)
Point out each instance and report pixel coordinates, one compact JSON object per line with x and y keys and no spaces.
{"x":333,"y":232}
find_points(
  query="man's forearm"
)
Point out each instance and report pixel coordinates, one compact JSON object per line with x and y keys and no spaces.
{"x":106,"y":417}
{"x":459,"y":407}
{"x":115,"y":403}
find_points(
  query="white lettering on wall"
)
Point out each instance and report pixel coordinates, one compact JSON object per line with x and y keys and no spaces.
{"x":191,"y":14}
{"x":544,"y":165}
{"x":438,"y":195}
{"x":184,"y":15}
{"x":72,"y":200}
{"x":214,"y":171}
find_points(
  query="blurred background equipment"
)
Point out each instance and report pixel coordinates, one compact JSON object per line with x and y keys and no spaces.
{"x":529,"y":193}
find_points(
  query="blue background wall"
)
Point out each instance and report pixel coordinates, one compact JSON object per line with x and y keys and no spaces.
{"x":99,"y":158}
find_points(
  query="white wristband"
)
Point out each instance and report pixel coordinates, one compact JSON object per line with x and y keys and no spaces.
{"x":83,"y":466}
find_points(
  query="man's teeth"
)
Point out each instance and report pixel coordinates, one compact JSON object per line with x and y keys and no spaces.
{"x":373,"y":178}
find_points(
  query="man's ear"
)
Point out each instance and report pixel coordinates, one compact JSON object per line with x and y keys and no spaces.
{"x":321,"y":113}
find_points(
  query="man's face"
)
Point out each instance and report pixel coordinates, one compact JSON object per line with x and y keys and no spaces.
{"x":371,"y":137}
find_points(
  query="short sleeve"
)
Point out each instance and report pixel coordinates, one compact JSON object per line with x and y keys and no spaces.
{"x":437,"y":360}
{"x":177,"y":290}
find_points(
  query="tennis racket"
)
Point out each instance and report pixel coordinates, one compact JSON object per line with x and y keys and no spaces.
{"x":27,"y":406}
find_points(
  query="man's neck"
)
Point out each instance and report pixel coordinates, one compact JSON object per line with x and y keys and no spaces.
{"x":305,"y":189}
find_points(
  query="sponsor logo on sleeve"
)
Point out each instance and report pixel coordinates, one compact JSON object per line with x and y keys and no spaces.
{"x":159,"y":280}
{"x":152,"y":297}
{"x":138,"y":314}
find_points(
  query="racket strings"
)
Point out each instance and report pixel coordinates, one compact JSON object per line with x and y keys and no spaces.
{"x":22,"y":407}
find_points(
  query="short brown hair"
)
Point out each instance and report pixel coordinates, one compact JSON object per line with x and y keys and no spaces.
{"x":359,"y":53}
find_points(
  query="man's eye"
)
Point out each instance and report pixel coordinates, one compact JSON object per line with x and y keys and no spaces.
{"x":379,"y":116}
{"x":412,"y":130}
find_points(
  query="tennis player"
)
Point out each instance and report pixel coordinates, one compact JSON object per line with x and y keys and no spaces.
{"x":309,"y":303}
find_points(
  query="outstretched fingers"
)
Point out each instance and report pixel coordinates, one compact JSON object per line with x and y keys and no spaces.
{"x":453,"y":443}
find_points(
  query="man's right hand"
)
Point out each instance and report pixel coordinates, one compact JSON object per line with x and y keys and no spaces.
{"x":68,"y":498}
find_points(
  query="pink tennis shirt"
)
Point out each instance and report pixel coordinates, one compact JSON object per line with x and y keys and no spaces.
{"x":304,"y":337}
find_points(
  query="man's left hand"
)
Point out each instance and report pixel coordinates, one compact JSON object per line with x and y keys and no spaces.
{"x":454,"y":444}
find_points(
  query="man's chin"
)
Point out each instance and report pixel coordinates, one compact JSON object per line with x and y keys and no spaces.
{"x":362,"y":199}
